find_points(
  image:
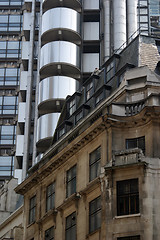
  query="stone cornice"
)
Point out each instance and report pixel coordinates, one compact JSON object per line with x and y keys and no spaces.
{"x":103,"y":122}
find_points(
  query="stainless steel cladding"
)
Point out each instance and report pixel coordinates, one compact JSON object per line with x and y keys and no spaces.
{"x":60,"y":57}
{"x":61,"y":23}
{"x":132,"y":18}
{"x":73,"y":4}
{"x":119,"y":23}
{"x":52,"y":94}
{"x":59,"y":63}
{"x":46,"y":127}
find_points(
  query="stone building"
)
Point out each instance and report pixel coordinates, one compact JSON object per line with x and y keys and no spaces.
{"x":100,"y":177}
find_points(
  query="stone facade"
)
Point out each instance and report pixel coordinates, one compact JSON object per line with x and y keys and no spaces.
{"x":104,"y":174}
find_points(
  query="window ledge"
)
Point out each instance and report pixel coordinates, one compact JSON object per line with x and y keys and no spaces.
{"x":128,"y":216}
{"x":90,"y":234}
{"x":91,"y":185}
{"x":30,"y":224}
{"x":67,"y":202}
{"x":51,"y":212}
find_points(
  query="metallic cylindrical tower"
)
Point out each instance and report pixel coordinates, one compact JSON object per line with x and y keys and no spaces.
{"x":119,"y":20}
{"x":107,"y":26}
{"x":132,"y":18}
{"x":59,"y":64}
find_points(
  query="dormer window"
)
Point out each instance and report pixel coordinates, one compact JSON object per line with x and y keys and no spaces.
{"x":79,"y":116}
{"x":99,"y":98}
{"x":89,"y":90}
{"x":61,"y":132}
{"x":72,"y":106}
{"x":110,"y":71}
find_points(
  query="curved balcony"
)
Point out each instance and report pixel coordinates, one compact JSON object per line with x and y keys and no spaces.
{"x":60,"y":58}
{"x":46,"y":127}
{"x":73,"y":4}
{"x":52,"y":94}
{"x":61,"y":23}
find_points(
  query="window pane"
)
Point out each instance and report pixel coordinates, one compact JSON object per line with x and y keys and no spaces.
{"x":127,"y":197}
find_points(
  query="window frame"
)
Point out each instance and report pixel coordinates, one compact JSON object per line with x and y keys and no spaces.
{"x":50,"y":198}
{"x":94,"y":215}
{"x":94,"y":164}
{"x":71,"y":183}
{"x":126,"y":199}
{"x":72,"y":106}
{"x":89,"y":90}
{"x":72,"y":228}
{"x":137,"y":143}
{"x":32,"y":210}
{"x":46,"y":232}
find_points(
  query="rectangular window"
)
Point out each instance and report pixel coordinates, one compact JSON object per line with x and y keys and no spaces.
{"x":7,"y":134}
{"x":10,"y":22}
{"x":61,"y":132}
{"x":71,"y":181}
{"x":32,"y":210}
{"x":94,"y":164}
{"x":6,"y":165}
{"x":89,"y":90}
{"x":136,"y":143}
{"x":50,"y":197}
{"x":127,"y":197}
{"x":49,"y":234}
{"x":79,"y":116}
{"x":129,"y":238}
{"x":72,"y":106}
{"x":11,"y":2}
{"x":95,"y":214}
{"x":110,"y":71}
{"x":71,"y":227}
{"x":9,"y":76}
{"x":10,"y":49}
{"x":99,"y":98}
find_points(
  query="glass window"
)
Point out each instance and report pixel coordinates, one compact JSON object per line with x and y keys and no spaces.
{"x":72,"y":106}
{"x":9,"y":76}
{"x":61,"y":132}
{"x":71,"y":227}
{"x":71,"y":181}
{"x":110,"y":71}
{"x":79,"y":116}
{"x":127,"y":197}
{"x":99,"y":98}
{"x":95,"y":214}
{"x":7,"y":135}
{"x":94,"y":164}
{"x":49,"y":234}
{"x":11,"y":2}
{"x":10,"y":49}
{"x":6,"y":165}
{"x":89,"y":90}
{"x":32,"y":209}
{"x":136,"y":143}
{"x":8,"y":105}
{"x":50,"y":197}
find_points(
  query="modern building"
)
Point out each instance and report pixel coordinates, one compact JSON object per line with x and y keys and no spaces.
{"x":10,"y":53}
{"x":100,"y":177}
